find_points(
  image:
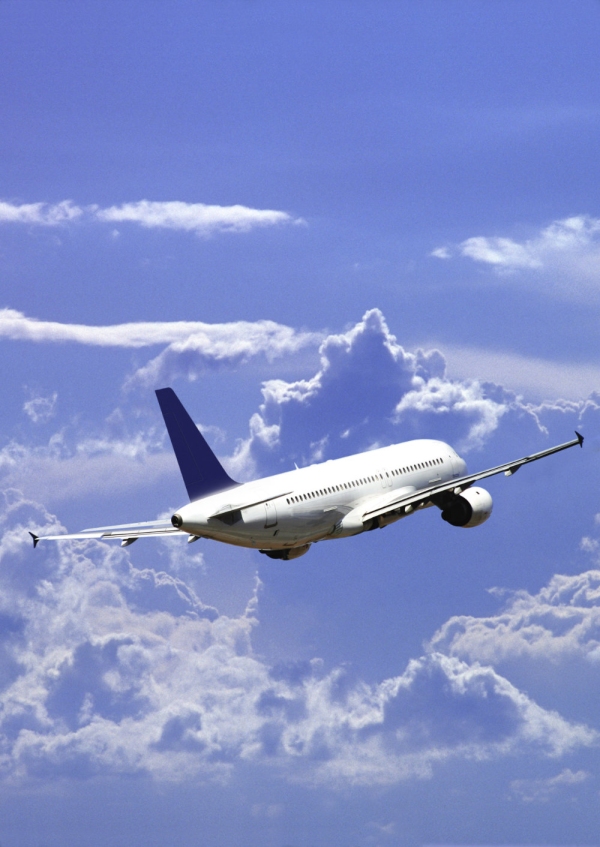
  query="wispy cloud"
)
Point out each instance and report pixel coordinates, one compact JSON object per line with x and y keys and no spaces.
{"x":567,"y":251}
{"x":541,"y":790}
{"x":41,"y":409}
{"x":43,"y":214}
{"x":539,"y":378}
{"x":200,"y":218}
{"x":236,"y":340}
{"x":194,"y":217}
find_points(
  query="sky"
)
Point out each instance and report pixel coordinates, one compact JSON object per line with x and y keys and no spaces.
{"x":329,"y":227}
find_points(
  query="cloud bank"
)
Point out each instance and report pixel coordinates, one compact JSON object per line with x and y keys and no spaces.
{"x":200,"y":218}
{"x":111,"y":668}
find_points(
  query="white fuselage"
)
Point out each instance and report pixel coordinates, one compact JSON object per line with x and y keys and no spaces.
{"x":309,"y":504}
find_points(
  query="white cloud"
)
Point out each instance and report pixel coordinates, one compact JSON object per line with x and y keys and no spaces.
{"x":194,"y":217}
{"x":70,"y":466}
{"x":565,"y":254}
{"x":502,"y":252}
{"x":41,"y":409}
{"x":203,"y":219}
{"x":217,"y":344}
{"x":114,"y":668}
{"x":370,"y":391}
{"x":43,"y":214}
{"x":559,"y":623}
{"x":191,"y":341}
{"x":468,"y":400}
{"x":542,"y":790}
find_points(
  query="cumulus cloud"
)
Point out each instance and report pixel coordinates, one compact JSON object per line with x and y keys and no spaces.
{"x":559,"y":623}
{"x":107,"y":667}
{"x":568,"y":250}
{"x":203,"y":219}
{"x":370,"y":391}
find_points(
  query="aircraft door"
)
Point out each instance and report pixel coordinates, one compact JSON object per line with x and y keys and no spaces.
{"x":384,"y":478}
{"x":270,"y":515}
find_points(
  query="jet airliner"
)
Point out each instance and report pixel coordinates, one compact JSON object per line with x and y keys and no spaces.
{"x":282,"y":515}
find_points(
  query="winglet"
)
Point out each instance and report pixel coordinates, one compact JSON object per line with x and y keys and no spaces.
{"x":579,"y":438}
{"x":35,"y":539}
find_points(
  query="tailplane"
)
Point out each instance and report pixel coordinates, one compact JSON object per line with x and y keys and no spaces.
{"x":202,"y":472}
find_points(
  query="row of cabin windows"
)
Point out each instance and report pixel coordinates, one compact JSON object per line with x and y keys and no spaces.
{"x":322,"y":492}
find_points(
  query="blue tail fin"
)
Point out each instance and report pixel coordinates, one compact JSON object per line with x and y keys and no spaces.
{"x":202,"y":472}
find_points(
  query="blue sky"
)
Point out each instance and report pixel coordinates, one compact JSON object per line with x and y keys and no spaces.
{"x":329,"y":226}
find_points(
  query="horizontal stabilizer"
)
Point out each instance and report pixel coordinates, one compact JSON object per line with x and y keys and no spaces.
{"x":202,"y":472}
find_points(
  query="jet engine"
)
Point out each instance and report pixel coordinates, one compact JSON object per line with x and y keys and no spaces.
{"x":471,"y":508}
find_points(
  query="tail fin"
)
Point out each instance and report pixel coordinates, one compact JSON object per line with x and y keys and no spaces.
{"x":202,"y":472}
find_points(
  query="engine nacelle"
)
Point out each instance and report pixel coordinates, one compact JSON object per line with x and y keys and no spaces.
{"x":471,"y":508}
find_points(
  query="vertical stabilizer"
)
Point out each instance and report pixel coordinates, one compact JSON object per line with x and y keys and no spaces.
{"x":202,"y":472}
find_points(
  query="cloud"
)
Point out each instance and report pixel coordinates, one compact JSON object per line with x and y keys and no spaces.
{"x":42,"y":214}
{"x":542,"y":790}
{"x":566,"y":253}
{"x":559,"y":623}
{"x":370,"y":391}
{"x":72,"y":465}
{"x":192,"y":343}
{"x":203,"y":219}
{"x":41,"y":409}
{"x":215,"y":344}
{"x":194,"y":217}
{"x":107,"y":667}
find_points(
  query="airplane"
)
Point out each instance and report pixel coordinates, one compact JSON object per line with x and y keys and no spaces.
{"x":282,"y":515}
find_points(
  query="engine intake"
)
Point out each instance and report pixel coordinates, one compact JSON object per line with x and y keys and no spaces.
{"x":471,"y":508}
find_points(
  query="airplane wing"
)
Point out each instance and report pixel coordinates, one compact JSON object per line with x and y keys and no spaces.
{"x":128,"y":533}
{"x":435,"y":493}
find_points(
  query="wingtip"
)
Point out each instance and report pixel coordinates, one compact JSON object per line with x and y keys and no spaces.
{"x":36,"y":539}
{"x":579,"y":438}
